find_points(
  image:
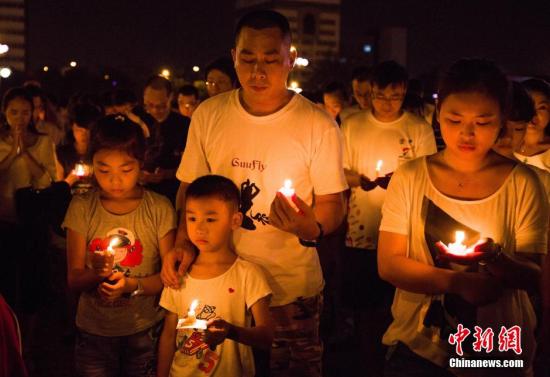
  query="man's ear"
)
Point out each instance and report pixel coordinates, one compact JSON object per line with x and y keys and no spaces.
{"x":237,"y":220}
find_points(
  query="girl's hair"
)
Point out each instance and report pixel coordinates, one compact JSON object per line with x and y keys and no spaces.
{"x":11,"y":94}
{"x":522,"y":107}
{"x":537,"y":85}
{"x":117,"y":132}
{"x":475,"y":76}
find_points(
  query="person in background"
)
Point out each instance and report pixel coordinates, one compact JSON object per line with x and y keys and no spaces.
{"x":220,"y":76}
{"x":73,"y":160}
{"x":535,"y":149}
{"x":361,"y":91}
{"x":168,"y":130}
{"x":470,"y":188}
{"x":376,"y":141}
{"x":116,"y":237}
{"x":335,"y":100}
{"x":27,"y":158}
{"x":231,"y":292}
{"x":44,"y":114}
{"x":188,"y":100}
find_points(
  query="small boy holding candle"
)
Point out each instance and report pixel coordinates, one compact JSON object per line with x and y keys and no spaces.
{"x":220,"y":291}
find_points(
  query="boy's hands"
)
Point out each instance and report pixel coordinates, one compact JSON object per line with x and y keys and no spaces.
{"x":216,"y":331}
{"x":302,"y":224}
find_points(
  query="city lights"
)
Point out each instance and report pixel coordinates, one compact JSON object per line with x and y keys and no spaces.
{"x":4,"y":48}
{"x":302,"y":62}
{"x":106,"y":77}
{"x":295,"y":86}
{"x":5,"y":72}
{"x":45,"y":68}
{"x":72,"y":64}
{"x":165,"y":73}
{"x":196,"y":68}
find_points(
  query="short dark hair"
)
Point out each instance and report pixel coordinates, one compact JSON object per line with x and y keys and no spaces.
{"x":85,"y":115}
{"x":214,"y":186}
{"x":537,"y":85}
{"x":475,"y":76}
{"x":263,"y":19}
{"x":159,"y":83}
{"x":522,"y":107}
{"x":335,"y":87}
{"x":360,"y":73}
{"x":224,"y":65}
{"x":117,"y":132}
{"x":388,"y":73}
{"x":189,"y":90}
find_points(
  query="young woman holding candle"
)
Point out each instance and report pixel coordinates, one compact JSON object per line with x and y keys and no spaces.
{"x":466,"y":187}
{"x":118,"y":318}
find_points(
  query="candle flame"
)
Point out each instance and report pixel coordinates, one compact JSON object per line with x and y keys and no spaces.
{"x":79,"y":170}
{"x":379,"y":165}
{"x":193,"y":306}
{"x":112,"y":243}
{"x":458,"y":247}
{"x":288,"y":184}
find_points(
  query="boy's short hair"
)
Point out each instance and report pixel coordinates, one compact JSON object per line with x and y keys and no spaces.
{"x":214,"y":186}
{"x":189,"y":90}
{"x":117,"y":132}
{"x":263,"y":19}
{"x":522,"y":107}
{"x":388,"y":73}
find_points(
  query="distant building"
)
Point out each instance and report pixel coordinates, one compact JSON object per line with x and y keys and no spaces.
{"x":13,"y":33}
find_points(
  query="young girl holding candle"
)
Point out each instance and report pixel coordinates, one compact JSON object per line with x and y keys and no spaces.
{"x":118,"y":317}
{"x":466,"y":187}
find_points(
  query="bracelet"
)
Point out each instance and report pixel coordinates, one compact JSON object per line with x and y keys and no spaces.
{"x":315,"y":242}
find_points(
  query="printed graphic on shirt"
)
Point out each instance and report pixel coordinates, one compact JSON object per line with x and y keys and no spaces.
{"x":446,"y":313}
{"x":249,"y":191}
{"x":190,"y":343}
{"x":128,"y":252}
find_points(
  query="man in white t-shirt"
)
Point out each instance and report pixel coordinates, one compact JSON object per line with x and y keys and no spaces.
{"x":259,"y":136}
{"x":361,"y":90}
{"x":376,"y":143}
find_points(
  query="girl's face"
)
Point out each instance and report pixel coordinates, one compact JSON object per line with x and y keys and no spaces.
{"x":512,"y":138}
{"x":18,"y":113}
{"x":116,"y":172}
{"x":542,"y":116}
{"x":81,"y":134}
{"x":470,"y":124}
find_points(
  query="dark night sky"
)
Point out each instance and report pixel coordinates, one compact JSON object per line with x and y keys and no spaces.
{"x":151,"y":34}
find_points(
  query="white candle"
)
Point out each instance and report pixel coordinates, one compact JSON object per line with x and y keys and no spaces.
{"x":457,"y":247}
{"x":191,"y":313}
{"x":378,"y":167}
{"x":288,"y":191}
{"x":79,"y":170}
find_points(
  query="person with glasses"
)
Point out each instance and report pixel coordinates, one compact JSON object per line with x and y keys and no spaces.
{"x":168,"y":136}
{"x":220,"y":76}
{"x":377,"y":141}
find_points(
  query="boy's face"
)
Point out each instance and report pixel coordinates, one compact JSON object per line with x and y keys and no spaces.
{"x":512,"y":138}
{"x":387,"y":102}
{"x":211,"y":222}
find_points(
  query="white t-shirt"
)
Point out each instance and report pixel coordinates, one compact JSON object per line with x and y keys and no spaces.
{"x":229,"y":296}
{"x":368,"y":140}
{"x":515,"y":216}
{"x":541,"y":160}
{"x":299,"y":142}
{"x":348,"y":111}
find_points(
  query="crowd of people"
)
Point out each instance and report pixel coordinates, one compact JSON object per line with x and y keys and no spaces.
{"x":240,"y":234}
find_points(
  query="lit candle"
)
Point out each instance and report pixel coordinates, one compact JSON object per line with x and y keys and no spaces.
{"x":457,"y":247}
{"x":288,"y":191}
{"x":82,"y":169}
{"x":191,"y":313}
{"x":191,"y":321}
{"x":378,"y":167}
